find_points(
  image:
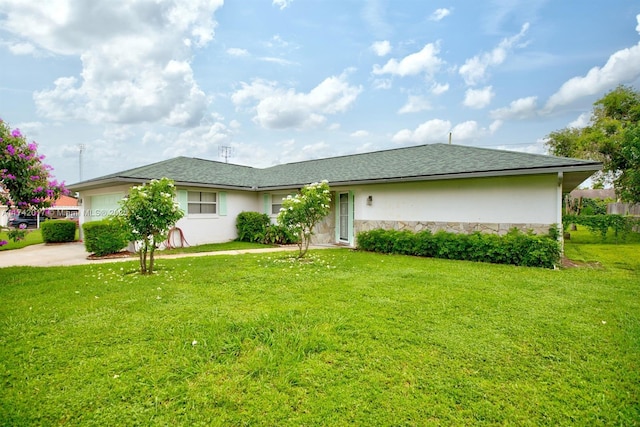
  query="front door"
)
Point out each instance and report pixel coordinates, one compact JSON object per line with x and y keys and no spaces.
{"x":343,"y":223}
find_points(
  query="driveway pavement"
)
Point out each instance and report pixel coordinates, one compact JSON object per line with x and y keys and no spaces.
{"x":75,"y":254}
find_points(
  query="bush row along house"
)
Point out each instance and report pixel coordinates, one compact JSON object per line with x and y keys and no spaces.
{"x":436,"y":186}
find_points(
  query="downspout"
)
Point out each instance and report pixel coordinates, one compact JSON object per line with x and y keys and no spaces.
{"x":559,"y":211}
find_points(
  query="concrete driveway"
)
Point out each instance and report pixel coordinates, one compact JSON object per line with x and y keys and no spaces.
{"x":48,"y":255}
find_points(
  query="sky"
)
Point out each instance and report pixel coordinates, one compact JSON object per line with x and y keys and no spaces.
{"x":278,"y":81}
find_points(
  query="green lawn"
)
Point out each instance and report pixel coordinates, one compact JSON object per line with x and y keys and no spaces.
{"x":346,"y":338}
{"x":33,"y":237}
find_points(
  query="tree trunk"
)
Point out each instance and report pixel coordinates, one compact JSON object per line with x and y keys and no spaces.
{"x":152,"y":255}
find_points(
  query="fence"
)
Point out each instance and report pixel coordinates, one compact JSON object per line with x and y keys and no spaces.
{"x":623,"y":209}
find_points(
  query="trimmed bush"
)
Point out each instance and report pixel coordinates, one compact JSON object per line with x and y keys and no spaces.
{"x":514,"y":248}
{"x":104,"y":237}
{"x":252,"y":226}
{"x":58,"y":231}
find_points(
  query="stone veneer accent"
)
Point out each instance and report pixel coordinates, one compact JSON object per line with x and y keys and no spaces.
{"x":325,"y":231}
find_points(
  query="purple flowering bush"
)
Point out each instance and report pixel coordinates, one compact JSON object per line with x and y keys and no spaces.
{"x":25,"y":181}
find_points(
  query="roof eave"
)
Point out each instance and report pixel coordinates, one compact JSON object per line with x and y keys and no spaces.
{"x":590,"y":168}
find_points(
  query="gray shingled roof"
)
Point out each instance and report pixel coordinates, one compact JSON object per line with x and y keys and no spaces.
{"x":432,"y":161}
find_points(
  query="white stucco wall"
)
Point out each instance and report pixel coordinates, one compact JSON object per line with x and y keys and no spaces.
{"x":196,"y":229}
{"x":518,"y":199}
{"x":199,"y":229}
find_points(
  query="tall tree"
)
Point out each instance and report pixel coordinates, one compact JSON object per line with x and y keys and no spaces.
{"x":25,"y":181}
{"x":612,"y":137}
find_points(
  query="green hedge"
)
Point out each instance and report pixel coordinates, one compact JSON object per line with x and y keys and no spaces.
{"x":514,"y":248}
{"x":251,"y":226}
{"x":104,"y":237}
{"x":58,"y":231}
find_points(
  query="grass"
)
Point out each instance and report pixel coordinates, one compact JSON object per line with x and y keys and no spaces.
{"x":344,"y":338}
{"x":588,"y":248}
{"x":214,"y":247}
{"x":33,"y":237}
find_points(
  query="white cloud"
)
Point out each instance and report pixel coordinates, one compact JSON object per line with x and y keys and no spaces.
{"x":581,"y":121}
{"x":235,"y":51}
{"x":275,"y":60}
{"x":425,"y":61}
{"x":282,"y":4}
{"x":465,"y":131}
{"x":135,"y":59}
{"x":381,"y":83}
{"x":521,"y":108}
{"x":474,"y":69}
{"x":439,"y":14}
{"x":415,"y":104}
{"x":360,"y":134}
{"x":622,"y":66}
{"x":381,"y":48}
{"x":277,"y":108}
{"x":200,"y":141}
{"x":435,"y":130}
{"x":439,"y":89}
{"x":494,"y":126}
{"x":21,"y":48}
{"x":638,"y":26}
{"x":478,"y":98}
{"x":290,"y":152}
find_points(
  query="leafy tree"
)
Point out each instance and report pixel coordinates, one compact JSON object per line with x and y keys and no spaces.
{"x":25,"y":182}
{"x":612,"y":137}
{"x":148,"y":213}
{"x":303,"y":211}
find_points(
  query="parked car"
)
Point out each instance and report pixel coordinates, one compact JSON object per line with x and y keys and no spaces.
{"x":27,"y":220}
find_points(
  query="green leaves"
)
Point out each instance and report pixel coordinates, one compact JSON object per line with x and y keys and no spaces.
{"x":612,"y":137}
{"x":303,"y":211}
{"x":148,"y":214}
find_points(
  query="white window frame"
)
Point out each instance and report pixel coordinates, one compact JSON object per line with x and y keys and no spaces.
{"x":277,"y":198}
{"x":201,"y":203}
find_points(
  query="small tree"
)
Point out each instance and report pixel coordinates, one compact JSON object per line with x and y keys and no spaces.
{"x":148,"y":213}
{"x":303,"y":211}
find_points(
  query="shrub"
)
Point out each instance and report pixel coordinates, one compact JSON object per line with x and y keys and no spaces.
{"x":58,"y":231}
{"x":252,"y":226}
{"x":515,"y":248}
{"x":104,"y":237}
{"x":278,"y":235}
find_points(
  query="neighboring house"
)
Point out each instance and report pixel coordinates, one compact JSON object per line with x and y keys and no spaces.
{"x":437,"y":187}
{"x":65,"y":207}
{"x":591,"y":193}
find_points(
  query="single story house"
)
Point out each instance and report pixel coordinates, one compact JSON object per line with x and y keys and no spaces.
{"x":435,"y":186}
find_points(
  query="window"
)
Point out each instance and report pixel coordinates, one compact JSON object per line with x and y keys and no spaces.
{"x":201,"y":202}
{"x":276,"y":203}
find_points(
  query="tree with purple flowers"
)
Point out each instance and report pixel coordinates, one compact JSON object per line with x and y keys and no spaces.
{"x":25,"y":181}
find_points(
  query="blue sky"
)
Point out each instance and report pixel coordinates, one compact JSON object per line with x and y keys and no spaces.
{"x":140,"y":81}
